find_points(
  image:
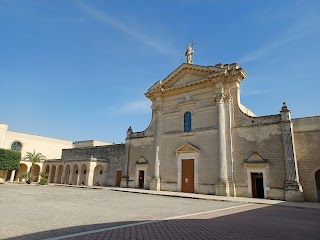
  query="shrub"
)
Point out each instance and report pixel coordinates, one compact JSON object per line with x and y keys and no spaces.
{"x":9,"y":160}
{"x":43,"y":181}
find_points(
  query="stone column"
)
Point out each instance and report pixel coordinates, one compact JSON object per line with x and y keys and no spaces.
{"x":13,"y":172}
{"x":78,"y":177}
{"x":63,"y":180}
{"x":157,"y":112}
{"x":49,"y":175}
{"x":293,"y":189}
{"x":222,"y":187}
{"x":55,"y":180}
{"x":71,"y":175}
{"x":90,"y":174}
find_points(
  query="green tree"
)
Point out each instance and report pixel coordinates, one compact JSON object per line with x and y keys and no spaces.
{"x":9,"y":160}
{"x":33,"y":158}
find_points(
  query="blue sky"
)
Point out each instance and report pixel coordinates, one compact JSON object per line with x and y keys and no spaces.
{"x":78,"y":70}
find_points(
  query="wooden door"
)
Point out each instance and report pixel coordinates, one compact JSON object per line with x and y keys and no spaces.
{"x":141,"y":178}
{"x":187,"y":178}
{"x":119,"y":175}
{"x":257,"y":185}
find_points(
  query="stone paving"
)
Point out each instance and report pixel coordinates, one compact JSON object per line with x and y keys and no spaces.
{"x":42,"y":212}
{"x":38,"y":212}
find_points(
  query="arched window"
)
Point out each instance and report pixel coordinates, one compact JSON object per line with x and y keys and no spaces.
{"x":187,"y":122}
{"x":16,"y":146}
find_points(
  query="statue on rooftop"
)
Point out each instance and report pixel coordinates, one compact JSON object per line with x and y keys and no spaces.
{"x":189,"y":53}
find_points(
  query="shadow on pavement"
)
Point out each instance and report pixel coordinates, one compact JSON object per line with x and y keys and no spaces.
{"x":252,"y":222}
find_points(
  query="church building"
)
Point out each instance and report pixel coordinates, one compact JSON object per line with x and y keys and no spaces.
{"x":201,"y":139}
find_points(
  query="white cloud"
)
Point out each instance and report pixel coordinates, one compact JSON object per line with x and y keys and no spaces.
{"x":156,"y":43}
{"x":136,"y":106}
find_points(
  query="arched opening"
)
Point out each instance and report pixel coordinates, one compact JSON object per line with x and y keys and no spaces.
{"x":317,"y":176}
{"x":187,"y":122}
{"x":53,"y":173}
{"x":66,"y":174}
{"x":98,"y":175}
{"x":83,"y":175}
{"x":16,"y":146}
{"x":21,"y":170}
{"x":3,"y":174}
{"x":75,"y":173}
{"x":60,"y":168}
{"x":35,"y":172}
{"x":46,"y":170}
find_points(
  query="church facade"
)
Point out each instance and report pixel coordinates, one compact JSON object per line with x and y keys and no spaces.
{"x":202,"y":139}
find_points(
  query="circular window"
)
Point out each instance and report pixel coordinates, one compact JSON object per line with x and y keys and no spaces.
{"x":101,"y":172}
{"x":84,"y":171}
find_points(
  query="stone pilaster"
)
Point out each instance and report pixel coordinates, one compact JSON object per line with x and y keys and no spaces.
{"x":229,"y":149}
{"x":157,"y":112}
{"x":222,"y":187}
{"x":293,"y":189}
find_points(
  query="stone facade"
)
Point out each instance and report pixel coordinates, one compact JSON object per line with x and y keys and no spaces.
{"x":87,"y":162}
{"x":201,"y":139}
{"x":228,"y":150}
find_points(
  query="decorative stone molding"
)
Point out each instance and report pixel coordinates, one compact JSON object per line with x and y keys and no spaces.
{"x":142,"y":160}
{"x":255,"y":161}
{"x":157,"y":109}
{"x":189,"y":104}
{"x":187,"y":148}
{"x":222,"y":97}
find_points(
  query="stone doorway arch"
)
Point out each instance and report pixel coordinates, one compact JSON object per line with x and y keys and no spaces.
{"x":75,"y":173}
{"x":98,"y":175}
{"x":53,"y":173}
{"x":35,"y":172}
{"x":83,"y":175}
{"x":23,"y":168}
{"x":66,"y":174}
{"x":60,"y":169}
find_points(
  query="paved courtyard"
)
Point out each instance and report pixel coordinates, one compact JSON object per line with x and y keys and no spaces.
{"x":42,"y":212}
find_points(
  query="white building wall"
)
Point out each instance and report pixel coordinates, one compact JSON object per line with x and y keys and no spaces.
{"x":49,"y":147}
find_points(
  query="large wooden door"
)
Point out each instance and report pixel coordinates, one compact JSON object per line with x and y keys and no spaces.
{"x":141,"y":178}
{"x":257,"y":185}
{"x":119,"y":175}
{"x":187,"y":179}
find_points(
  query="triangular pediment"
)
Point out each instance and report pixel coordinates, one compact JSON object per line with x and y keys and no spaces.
{"x":187,"y":148}
{"x":255,"y":158}
{"x":190,"y":75}
{"x":142,"y":160}
{"x":185,"y":78}
{"x":184,"y":74}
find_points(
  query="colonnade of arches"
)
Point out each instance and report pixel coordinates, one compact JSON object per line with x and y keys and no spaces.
{"x":16,"y":175}
{"x":75,"y":174}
